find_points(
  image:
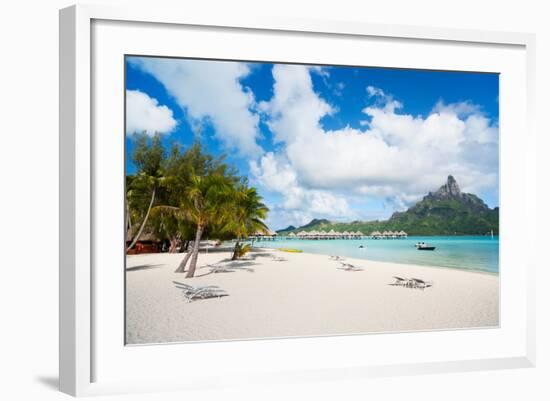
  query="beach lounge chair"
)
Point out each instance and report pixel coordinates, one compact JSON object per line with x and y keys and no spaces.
{"x":411,"y":282}
{"x":200,"y":292}
{"x":278,"y":259}
{"x":218,"y":268}
{"x":421,"y":284}
{"x":400,"y":280}
{"x":336,"y":257}
{"x":349,"y":267}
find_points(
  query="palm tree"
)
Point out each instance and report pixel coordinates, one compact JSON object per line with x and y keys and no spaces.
{"x":129,"y":180}
{"x":148,"y":158}
{"x":248,"y":213}
{"x":170,"y":222}
{"x":206,"y":203}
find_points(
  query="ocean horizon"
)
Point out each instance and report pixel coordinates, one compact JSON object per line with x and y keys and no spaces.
{"x":474,"y":253}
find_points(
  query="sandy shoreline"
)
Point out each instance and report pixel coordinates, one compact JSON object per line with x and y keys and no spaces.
{"x":302,"y":295}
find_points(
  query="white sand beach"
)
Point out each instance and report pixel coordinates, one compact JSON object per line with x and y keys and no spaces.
{"x":302,"y":295}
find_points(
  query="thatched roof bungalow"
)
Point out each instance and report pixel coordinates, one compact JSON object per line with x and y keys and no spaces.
{"x":148,"y":242}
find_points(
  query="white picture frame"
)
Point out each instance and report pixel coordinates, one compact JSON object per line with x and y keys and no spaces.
{"x":83,"y":349}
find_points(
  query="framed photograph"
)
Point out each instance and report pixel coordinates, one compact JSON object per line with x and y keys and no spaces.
{"x":265,"y":200}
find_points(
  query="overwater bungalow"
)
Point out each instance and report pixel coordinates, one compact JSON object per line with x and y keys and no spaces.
{"x":388,"y":234}
{"x":332,"y":234}
{"x":268,"y":235}
{"x":324,"y":235}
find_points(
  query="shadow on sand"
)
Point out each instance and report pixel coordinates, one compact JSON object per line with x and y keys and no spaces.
{"x":143,"y":267}
{"x":228,"y":267}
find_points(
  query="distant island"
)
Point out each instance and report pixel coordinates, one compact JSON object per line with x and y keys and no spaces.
{"x":447,"y":211}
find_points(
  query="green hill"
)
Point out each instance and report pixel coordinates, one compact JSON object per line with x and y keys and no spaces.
{"x":448,"y":211}
{"x":286,"y":230}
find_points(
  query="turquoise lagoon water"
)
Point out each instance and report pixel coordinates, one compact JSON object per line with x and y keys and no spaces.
{"x":467,"y":253}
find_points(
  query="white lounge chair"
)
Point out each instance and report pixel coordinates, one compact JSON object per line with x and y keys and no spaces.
{"x":400,"y":280}
{"x":218,"y":268}
{"x":200,"y":292}
{"x":421,"y":284}
{"x":350,"y":268}
{"x":411,"y":282}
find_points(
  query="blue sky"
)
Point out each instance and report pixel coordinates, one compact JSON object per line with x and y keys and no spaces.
{"x":343,"y":143}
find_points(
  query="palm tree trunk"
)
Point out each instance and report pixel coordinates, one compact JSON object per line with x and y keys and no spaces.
{"x":136,"y":238}
{"x":173,"y":245}
{"x":181,"y":267}
{"x":234,"y":257}
{"x":128,"y":217}
{"x":195,"y":252}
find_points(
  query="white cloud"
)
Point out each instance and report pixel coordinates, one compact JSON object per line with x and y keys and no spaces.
{"x":322,"y":71}
{"x":373,"y":91}
{"x":461,"y":109}
{"x":397,"y":158}
{"x":144,"y":114}
{"x":275,"y":174}
{"x":382,"y":99}
{"x":211,"y":91}
{"x":295,"y":109}
{"x":339,"y":88}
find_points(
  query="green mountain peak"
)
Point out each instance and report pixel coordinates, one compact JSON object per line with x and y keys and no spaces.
{"x":447,"y":211}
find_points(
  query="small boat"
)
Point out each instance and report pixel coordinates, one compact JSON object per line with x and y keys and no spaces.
{"x":422,"y":246}
{"x":361,"y":246}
